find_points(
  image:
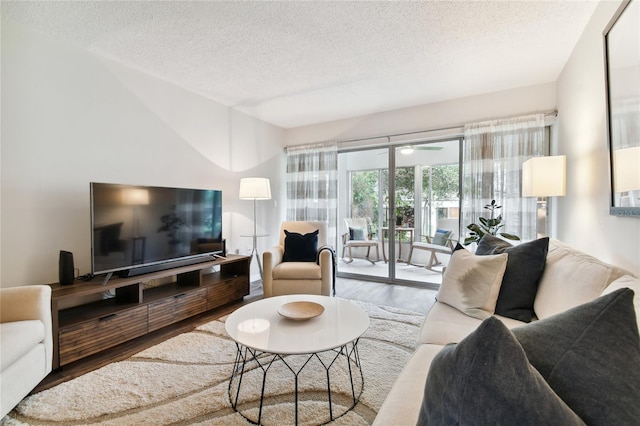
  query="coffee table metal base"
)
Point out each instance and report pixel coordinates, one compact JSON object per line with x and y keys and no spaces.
{"x":248,"y":359}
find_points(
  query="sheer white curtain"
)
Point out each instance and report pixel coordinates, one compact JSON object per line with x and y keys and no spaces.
{"x":493,"y":153}
{"x":312,"y":185}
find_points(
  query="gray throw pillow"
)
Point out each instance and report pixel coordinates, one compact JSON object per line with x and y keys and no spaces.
{"x":486,"y":380}
{"x":525,"y":266}
{"x":441,"y":236}
{"x":357,"y":234}
{"x":590,"y":356}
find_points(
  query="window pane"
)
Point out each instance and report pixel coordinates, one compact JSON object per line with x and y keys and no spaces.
{"x":405,"y":196}
{"x":440,"y":190}
{"x":364,"y":193}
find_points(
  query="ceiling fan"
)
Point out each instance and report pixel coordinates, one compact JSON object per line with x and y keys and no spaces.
{"x":408,"y":149}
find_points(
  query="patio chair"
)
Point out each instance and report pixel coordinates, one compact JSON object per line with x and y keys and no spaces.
{"x":358,"y":235}
{"x":441,"y":243}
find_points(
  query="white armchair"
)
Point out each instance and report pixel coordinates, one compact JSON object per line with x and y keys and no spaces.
{"x":281,"y":278}
{"x":26,"y":342}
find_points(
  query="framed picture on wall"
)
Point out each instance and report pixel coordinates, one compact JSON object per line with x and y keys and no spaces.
{"x":622,"y":71}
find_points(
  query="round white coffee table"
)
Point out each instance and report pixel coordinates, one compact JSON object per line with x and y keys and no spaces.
{"x":263,"y":336}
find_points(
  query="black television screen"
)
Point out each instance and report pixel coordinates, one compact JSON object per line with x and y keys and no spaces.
{"x":143,"y":228}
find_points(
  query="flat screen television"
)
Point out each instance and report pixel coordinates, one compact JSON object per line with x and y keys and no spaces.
{"x":141,"y":229}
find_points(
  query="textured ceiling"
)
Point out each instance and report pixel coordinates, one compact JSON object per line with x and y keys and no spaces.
{"x":298,"y":63}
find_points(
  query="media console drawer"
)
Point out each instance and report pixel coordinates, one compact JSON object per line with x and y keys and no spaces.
{"x":227,"y":291}
{"x":176,"y":308}
{"x":87,"y":338}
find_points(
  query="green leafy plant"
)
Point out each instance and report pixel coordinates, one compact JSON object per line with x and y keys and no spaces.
{"x":171,"y":224}
{"x":404,"y":213}
{"x":488,"y":226}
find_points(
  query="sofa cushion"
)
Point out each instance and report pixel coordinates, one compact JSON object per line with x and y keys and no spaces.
{"x":471,"y":283}
{"x":627,"y":281}
{"x":401,"y":406}
{"x":299,"y":247}
{"x":297,"y":271}
{"x":444,"y":324}
{"x":431,"y":247}
{"x":17,"y":338}
{"x":590,"y":356}
{"x":571,"y":278}
{"x":486,"y":379}
{"x":520,"y":282}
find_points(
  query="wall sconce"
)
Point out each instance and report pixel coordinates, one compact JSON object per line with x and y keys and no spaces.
{"x":544,"y":176}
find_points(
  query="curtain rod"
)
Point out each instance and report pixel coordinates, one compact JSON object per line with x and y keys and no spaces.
{"x":553,"y":113}
{"x":400,"y":134}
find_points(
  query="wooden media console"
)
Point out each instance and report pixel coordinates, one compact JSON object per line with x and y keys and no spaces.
{"x":134,"y":310}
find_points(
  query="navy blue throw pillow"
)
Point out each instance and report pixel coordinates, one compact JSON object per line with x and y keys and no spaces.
{"x":300,"y":248}
{"x":525,"y":266}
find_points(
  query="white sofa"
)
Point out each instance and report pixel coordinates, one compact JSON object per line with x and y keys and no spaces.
{"x":570,"y":278}
{"x":26,"y":342}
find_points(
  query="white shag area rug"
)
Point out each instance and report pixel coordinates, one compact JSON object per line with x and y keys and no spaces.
{"x":185,"y":380}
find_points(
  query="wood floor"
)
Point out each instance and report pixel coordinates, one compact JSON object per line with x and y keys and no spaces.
{"x":410,"y":298}
{"x":404,"y":297}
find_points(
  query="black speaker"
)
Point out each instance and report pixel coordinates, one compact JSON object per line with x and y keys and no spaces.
{"x":65,"y":268}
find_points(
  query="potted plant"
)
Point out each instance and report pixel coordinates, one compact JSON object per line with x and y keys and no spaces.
{"x":488,"y":226}
{"x":404,"y":214}
{"x":171,"y":224}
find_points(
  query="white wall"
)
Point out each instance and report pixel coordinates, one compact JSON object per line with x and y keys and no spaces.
{"x":583,"y":215}
{"x":69,"y":118}
{"x":457,"y":112}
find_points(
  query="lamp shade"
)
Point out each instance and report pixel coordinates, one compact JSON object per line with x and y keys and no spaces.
{"x":254,"y":188}
{"x":135,"y":196}
{"x":626,"y":169}
{"x":544,"y":176}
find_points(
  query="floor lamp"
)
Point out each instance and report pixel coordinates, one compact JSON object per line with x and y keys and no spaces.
{"x":254,"y":188}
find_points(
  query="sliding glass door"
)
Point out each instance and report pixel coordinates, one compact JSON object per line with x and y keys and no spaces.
{"x":423,"y":196}
{"x":362,"y":212}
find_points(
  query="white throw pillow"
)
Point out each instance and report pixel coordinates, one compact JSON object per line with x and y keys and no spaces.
{"x":634,"y":284}
{"x":471,"y":283}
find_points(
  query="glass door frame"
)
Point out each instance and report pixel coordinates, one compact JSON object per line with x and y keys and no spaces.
{"x":391,"y":151}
